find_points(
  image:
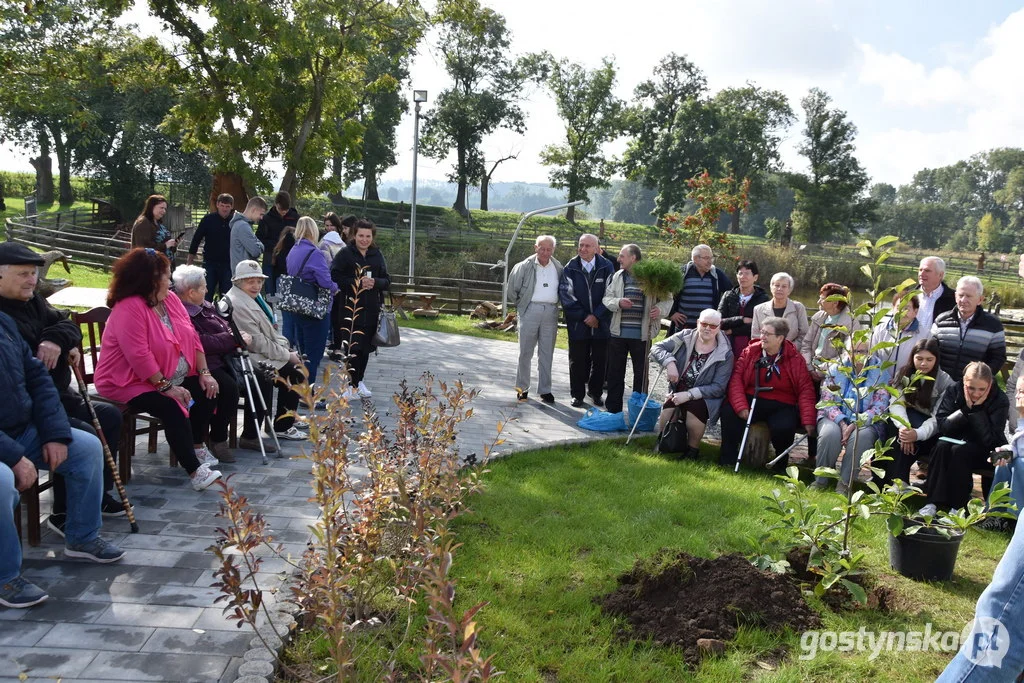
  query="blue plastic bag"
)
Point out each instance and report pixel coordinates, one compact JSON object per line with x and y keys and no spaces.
{"x":599,"y":421}
{"x":648,"y":420}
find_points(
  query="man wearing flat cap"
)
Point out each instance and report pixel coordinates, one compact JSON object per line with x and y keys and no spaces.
{"x":54,"y":340}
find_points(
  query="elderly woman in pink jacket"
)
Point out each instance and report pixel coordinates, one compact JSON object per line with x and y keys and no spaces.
{"x":152,"y":359}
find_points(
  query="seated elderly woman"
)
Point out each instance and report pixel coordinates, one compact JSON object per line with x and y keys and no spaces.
{"x":218,"y":342}
{"x":832,"y":322}
{"x":254,"y":316}
{"x":901,"y":330}
{"x":857,"y":389}
{"x":972,"y":420}
{"x":781,"y":306}
{"x":152,"y":359}
{"x":698,"y":363}
{"x":771,"y":361}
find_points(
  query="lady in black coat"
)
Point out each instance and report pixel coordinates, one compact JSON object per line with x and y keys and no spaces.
{"x":361,"y":273}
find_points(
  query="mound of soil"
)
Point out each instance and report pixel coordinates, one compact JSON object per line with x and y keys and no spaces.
{"x":678,"y":599}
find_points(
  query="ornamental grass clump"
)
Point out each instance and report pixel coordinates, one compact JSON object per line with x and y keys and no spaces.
{"x":658,"y":278}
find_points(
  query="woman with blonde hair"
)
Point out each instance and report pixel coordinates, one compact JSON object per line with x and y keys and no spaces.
{"x":306,"y":262}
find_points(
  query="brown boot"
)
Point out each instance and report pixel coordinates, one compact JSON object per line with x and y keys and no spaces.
{"x":222,"y":452}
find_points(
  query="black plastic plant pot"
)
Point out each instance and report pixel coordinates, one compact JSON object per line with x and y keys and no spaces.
{"x":926,"y":555}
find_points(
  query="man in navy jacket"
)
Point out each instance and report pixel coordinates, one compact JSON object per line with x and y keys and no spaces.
{"x":580,"y":291}
{"x":34,"y":432}
{"x":215,"y":230}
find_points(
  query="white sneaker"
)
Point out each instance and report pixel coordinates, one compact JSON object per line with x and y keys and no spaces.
{"x":292,"y":434}
{"x":364,"y":391}
{"x":206,"y":457}
{"x":350,"y":394}
{"x":928,"y":510}
{"x":203,"y":477}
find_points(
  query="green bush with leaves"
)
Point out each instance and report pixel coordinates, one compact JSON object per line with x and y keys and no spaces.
{"x":658,"y":278}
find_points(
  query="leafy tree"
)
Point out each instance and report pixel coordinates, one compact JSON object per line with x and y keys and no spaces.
{"x":273,"y":79}
{"x":633,"y":203}
{"x":593,"y":116}
{"x":652,"y":120}
{"x":829,"y":201}
{"x":883,"y":193}
{"x":922,"y":224}
{"x":1011,"y":199}
{"x":991,"y":236}
{"x":483,"y":96}
{"x":777,"y":205}
{"x":750,"y":122}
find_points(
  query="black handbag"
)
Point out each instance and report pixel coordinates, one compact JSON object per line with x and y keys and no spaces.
{"x":302,"y":297}
{"x":672,"y":438}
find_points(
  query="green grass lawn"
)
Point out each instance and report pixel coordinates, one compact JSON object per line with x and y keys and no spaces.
{"x":554,"y":528}
{"x":462,"y":324}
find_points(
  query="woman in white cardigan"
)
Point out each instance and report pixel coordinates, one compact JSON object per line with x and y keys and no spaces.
{"x":781,"y":306}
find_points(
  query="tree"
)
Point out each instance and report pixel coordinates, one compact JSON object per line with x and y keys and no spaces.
{"x":483,"y":95}
{"x":273,"y":79}
{"x":751,"y":120}
{"x":883,"y":193}
{"x":652,"y":118}
{"x":593,"y":116}
{"x":633,"y":203}
{"x":828,"y":197}
{"x":991,"y":236}
{"x":485,"y":177}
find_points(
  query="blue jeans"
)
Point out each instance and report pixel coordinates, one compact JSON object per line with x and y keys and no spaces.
{"x":311,"y":339}
{"x":1003,"y":599}
{"x":1012,"y":474}
{"x":83,"y":474}
{"x":288,"y":328}
{"x":218,"y":276}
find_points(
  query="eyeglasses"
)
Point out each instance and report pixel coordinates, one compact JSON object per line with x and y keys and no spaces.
{"x":710,"y":326}
{"x":765,"y":335}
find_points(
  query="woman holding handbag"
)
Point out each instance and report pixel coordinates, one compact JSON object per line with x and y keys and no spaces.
{"x":698,"y":363}
{"x":306,"y":262}
{"x":360,"y":271}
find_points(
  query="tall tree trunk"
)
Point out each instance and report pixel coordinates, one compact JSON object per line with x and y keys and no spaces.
{"x":44,"y":170}
{"x":336,"y":169}
{"x":310,"y":122}
{"x":370,"y":192}
{"x":460,"y":195}
{"x":485,"y":181}
{"x":570,"y":213}
{"x":734,"y":225}
{"x":66,"y":195}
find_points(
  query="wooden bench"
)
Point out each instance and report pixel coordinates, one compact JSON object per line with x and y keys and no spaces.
{"x":30,"y":499}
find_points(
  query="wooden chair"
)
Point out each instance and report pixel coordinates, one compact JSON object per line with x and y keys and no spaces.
{"x":93,"y":323}
{"x":30,"y":499}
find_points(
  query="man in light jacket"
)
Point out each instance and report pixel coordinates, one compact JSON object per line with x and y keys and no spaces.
{"x":244,"y":245}
{"x":533,"y":289}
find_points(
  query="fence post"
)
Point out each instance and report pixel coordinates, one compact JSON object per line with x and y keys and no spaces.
{"x":458,"y":307}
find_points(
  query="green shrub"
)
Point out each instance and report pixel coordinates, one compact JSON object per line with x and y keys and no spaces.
{"x":658,"y":278}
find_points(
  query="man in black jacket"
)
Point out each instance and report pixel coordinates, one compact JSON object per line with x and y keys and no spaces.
{"x":269,"y":232}
{"x":580,"y":290}
{"x":968,"y":333}
{"x":53,"y":338}
{"x":34,"y":432}
{"x":936,"y":296}
{"x":215,"y":230}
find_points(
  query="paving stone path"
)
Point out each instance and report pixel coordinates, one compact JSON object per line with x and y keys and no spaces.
{"x":152,"y":616}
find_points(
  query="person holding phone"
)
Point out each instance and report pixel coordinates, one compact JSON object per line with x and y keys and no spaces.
{"x":149,"y":232}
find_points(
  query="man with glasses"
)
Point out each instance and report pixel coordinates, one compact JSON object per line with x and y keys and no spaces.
{"x":771,"y":362}
{"x":703,"y":287}
{"x":215,"y":230}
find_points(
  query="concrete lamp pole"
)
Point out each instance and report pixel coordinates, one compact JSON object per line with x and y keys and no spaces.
{"x":419,"y":97}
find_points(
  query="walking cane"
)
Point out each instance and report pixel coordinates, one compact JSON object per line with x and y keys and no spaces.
{"x":750,"y":414}
{"x":784,"y":453}
{"x":649,"y":389}
{"x":84,"y":391}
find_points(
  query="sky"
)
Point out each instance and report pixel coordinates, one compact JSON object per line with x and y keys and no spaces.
{"x":927,"y":83}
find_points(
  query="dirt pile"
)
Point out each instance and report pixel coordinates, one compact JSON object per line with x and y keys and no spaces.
{"x":677,"y":599}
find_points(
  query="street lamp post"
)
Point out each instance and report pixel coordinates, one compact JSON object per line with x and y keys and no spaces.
{"x":418,"y":96}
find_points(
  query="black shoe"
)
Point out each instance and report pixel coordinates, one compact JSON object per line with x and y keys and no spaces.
{"x":522,"y":395}
{"x":547,"y":398}
{"x":577,"y":403}
{"x":111,"y":508}
{"x":598,"y":401}
{"x":56,"y":523}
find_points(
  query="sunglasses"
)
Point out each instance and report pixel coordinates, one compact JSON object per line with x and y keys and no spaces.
{"x":710,"y":326}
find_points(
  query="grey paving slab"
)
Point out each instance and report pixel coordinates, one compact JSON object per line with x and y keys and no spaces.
{"x":153,"y":617}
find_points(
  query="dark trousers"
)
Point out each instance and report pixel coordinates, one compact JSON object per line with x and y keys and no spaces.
{"x":110,"y":423}
{"x":950,"y":474}
{"x":899,"y":466}
{"x":782,"y":419}
{"x":618,"y":349}
{"x":587,"y":358}
{"x":227,"y":404}
{"x":287,"y":400}
{"x":358,"y":352}
{"x":218,"y":277}
{"x":180,"y":430}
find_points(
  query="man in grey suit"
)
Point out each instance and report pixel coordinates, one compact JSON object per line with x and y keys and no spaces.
{"x":533,"y":289}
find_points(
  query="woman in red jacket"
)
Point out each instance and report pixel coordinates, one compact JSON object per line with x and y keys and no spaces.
{"x":788,"y":404}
